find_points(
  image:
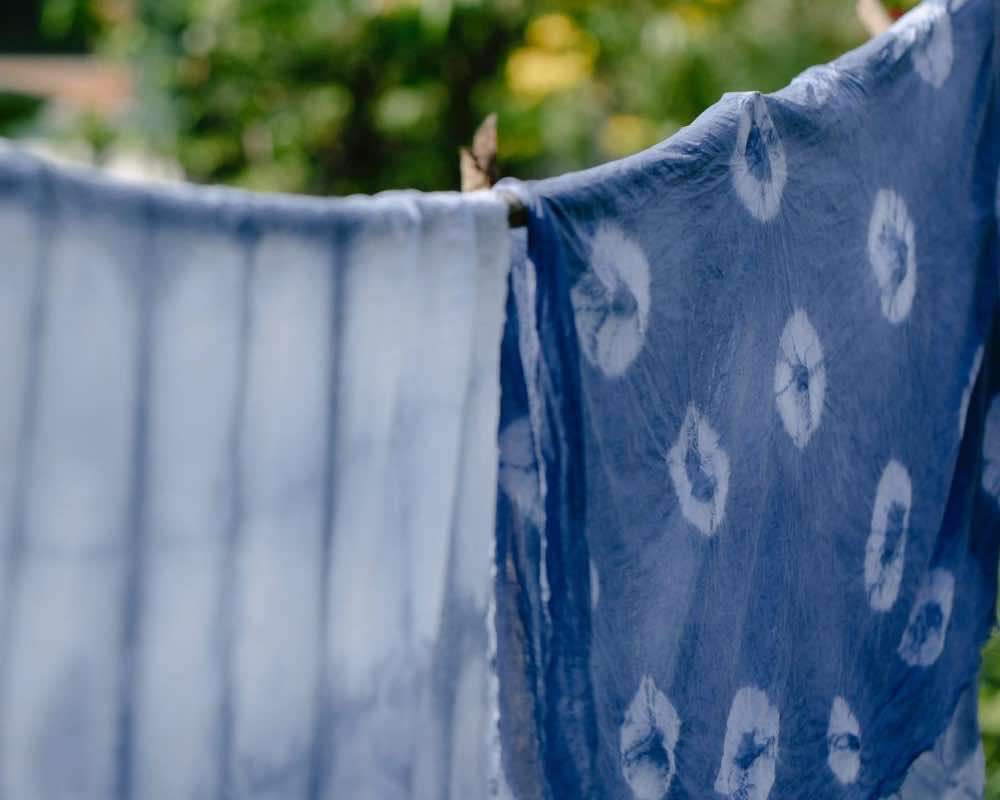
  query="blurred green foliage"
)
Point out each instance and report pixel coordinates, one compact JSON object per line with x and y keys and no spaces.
{"x":361,"y":95}
{"x":989,"y":714}
{"x":341,"y":96}
{"x":61,"y":26}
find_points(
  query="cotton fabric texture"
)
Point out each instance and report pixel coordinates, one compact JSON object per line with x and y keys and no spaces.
{"x":247,"y":476}
{"x":747,"y":524}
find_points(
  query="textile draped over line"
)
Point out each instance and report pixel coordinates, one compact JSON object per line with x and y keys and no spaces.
{"x":748,"y":524}
{"x":749,"y":469}
{"x":247,"y":473}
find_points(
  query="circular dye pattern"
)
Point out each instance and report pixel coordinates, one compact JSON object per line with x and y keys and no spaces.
{"x":611,"y":302}
{"x":799,"y":379}
{"x":963,"y":411}
{"x":699,"y":470}
{"x":923,"y":639}
{"x":892,"y":253}
{"x":647,"y":742}
{"x":933,"y":50}
{"x":758,"y":163}
{"x":843,"y":740}
{"x":816,"y":85}
{"x":926,"y":33}
{"x":518,"y":473}
{"x":991,"y":450}
{"x":750,"y":750}
{"x":886,"y":550}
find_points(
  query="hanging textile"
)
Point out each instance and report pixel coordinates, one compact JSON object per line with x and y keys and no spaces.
{"x":750,"y":435}
{"x":247,"y":475}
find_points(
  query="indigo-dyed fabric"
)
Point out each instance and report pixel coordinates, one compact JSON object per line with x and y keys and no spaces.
{"x":247,"y":477}
{"x":750,"y":440}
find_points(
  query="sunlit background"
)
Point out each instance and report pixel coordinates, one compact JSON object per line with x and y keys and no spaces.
{"x":342,"y":96}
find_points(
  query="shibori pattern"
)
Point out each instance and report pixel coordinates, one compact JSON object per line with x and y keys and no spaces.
{"x":816,"y":85}
{"x":611,"y":302}
{"x":843,"y":738}
{"x":750,"y":749}
{"x":259,"y":515}
{"x":901,"y":591}
{"x":927,"y":35}
{"x":892,"y":251}
{"x":758,"y":166}
{"x":699,"y":469}
{"x":886,"y":551}
{"x":800,"y":379}
{"x":648,"y":738}
{"x":518,"y":471}
{"x":923,"y":639}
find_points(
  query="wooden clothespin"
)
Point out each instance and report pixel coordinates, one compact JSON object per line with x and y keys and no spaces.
{"x":873,"y":16}
{"x":478,"y":167}
{"x":478,"y":164}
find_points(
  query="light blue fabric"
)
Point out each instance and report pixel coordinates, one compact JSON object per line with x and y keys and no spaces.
{"x":750,"y":440}
{"x":247,"y":475}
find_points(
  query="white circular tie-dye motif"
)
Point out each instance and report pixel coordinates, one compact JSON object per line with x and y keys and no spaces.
{"x":843,"y":739}
{"x":933,"y":50}
{"x":892,"y":252}
{"x":963,"y":411}
{"x":758,"y":163}
{"x":611,"y":301}
{"x":926,"y":32}
{"x":816,"y":85}
{"x":750,"y":750}
{"x":956,"y":5}
{"x":699,"y":469}
{"x":886,"y":550}
{"x":647,"y":742}
{"x":799,"y":379}
{"x":518,"y":473}
{"x":923,"y":639}
{"x":991,"y":449}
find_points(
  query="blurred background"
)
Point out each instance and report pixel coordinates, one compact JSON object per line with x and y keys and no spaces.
{"x":341,"y":96}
